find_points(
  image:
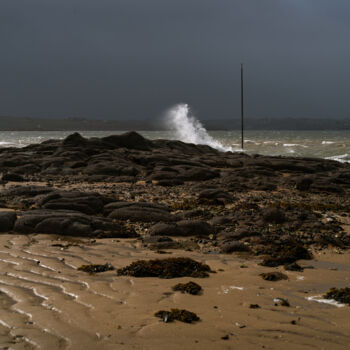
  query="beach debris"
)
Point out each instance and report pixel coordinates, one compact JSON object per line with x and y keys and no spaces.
{"x":281,"y":302}
{"x":341,"y":295}
{"x":177,"y":314}
{"x":190,"y":288}
{"x":254,"y":306}
{"x":166,"y":268}
{"x":226,"y":337}
{"x":95,"y":268}
{"x":273,"y":276}
{"x":240,"y":325}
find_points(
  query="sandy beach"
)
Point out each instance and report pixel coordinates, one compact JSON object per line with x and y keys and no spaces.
{"x":46,"y":303}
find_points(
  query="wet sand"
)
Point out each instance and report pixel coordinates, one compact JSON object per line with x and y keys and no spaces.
{"x":47,"y":303}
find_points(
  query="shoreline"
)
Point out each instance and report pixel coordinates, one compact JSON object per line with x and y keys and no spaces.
{"x":120,"y":199}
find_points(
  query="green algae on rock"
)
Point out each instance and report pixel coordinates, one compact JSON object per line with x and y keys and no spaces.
{"x":273,"y":276}
{"x":166,"y":268}
{"x":177,"y":314}
{"x":190,"y":288}
{"x":341,"y":295}
{"x":95,"y":268}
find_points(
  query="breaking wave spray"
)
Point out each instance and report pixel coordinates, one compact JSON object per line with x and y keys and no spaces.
{"x":189,"y":129}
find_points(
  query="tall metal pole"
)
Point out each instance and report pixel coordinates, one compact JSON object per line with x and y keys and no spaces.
{"x":242,"y":109}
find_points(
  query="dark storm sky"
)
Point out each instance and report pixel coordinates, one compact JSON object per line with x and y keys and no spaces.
{"x":131,"y":59}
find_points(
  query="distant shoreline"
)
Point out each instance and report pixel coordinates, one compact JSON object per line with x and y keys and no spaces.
{"x":81,"y":124}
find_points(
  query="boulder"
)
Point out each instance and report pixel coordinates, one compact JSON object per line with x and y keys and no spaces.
{"x":7,"y":220}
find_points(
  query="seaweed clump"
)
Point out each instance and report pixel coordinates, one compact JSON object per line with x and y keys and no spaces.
{"x":177,"y":314}
{"x":273,"y":276}
{"x":94,"y":268}
{"x":286,"y":254}
{"x":190,"y":288}
{"x":341,"y":295}
{"x":166,"y":268}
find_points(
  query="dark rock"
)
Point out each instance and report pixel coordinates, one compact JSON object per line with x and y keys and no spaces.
{"x":303,"y":183}
{"x":137,"y":213}
{"x":235,"y":246}
{"x":74,"y":140}
{"x":131,"y":140}
{"x":87,"y":203}
{"x":195,"y":228}
{"x":163,"y":229}
{"x":293,"y":267}
{"x":66,"y":222}
{"x":273,"y":276}
{"x":274,"y":215}
{"x":177,"y":314}
{"x":254,"y":306}
{"x":221,"y":220}
{"x":12,"y":177}
{"x":7,"y":220}
{"x":215,"y":196}
{"x":190,"y":288}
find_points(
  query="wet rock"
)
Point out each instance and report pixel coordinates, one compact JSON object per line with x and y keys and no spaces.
{"x":163,"y":229}
{"x":215,"y":196}
{"x":166,"y":268}
{"x":74,"y":140}
{"x":65,"y":222}
{"x":293,"y":267}
{"x":195,"y":228}
{"x":274,"y":215}
{"x":273,"y":276}
{"x":342,"y":295}
{"x":94,"y":268}
{"x":12,"y":177}
{"x":7,"y":221}
{"x":170,"y":182}
{"x":190,"y":288}
{"x":87,"y":203}
{"x":303,"y":183}
{"x":139,"y":214}
{"x":233,"y":246}
{"x":188,"y":214}
{"x":131,"y":140}
{"x":198,"y":174}
{"x":221,"y":220}
{"x":177,"y":314}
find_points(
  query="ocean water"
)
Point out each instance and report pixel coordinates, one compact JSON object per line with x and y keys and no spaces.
{"x":321,"y":144}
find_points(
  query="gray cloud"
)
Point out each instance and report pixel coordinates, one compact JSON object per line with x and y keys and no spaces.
{"x":121,"y":59}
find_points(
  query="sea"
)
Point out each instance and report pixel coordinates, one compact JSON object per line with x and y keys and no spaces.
{"x":320,"y":144}
{"x":180,"y":124}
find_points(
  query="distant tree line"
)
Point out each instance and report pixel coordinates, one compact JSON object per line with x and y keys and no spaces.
{"x":67,"y":124}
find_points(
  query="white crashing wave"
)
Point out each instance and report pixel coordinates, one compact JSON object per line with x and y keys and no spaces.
{"x":189,"y":129}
